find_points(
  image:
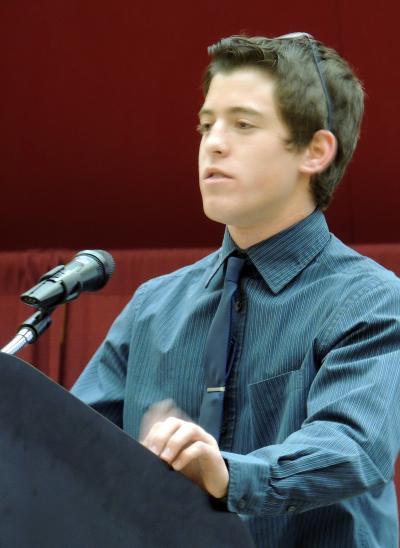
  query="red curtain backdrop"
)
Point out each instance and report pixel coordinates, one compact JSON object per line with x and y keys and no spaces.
{"x":98,"y":106}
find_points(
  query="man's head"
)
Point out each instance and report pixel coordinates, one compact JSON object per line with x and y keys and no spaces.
{"x":300,"y":67}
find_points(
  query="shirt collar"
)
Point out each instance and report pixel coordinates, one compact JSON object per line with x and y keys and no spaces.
{"x":280,"y":258}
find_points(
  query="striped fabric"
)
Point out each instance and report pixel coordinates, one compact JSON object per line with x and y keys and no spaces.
{"x":311,"y":427}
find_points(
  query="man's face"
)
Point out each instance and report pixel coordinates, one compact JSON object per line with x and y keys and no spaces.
{"x":248,"y":175}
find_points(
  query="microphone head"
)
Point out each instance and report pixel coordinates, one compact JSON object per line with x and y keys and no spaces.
{"x":105,"y":262}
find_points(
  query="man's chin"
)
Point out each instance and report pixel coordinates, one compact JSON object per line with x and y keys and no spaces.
{"x":216,"y":216}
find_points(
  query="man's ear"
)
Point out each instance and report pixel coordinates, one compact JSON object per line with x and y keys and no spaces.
{"x":319,"y":153}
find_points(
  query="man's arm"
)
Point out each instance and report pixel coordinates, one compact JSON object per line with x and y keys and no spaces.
{"x":102,"y":383}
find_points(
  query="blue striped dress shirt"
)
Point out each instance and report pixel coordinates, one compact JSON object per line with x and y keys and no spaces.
{"x":311,"y":415}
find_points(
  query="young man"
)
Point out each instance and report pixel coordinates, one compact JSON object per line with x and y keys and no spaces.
{"x":310,"y":429}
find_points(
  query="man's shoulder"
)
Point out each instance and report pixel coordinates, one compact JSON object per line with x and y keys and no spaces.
{"x":353,"y":272}
{"x":350,"y":262}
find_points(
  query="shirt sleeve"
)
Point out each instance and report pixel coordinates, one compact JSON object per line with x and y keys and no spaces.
{"x":349,"y":440}
{"x":102,"y":383}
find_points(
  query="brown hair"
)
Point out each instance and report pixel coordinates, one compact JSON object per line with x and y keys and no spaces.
{"x":299,"y":94}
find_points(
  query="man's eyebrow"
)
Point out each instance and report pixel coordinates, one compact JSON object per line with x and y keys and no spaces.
{"x":232,"y":110}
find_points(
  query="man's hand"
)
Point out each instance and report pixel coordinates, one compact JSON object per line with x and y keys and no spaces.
{"x":186,"y":447}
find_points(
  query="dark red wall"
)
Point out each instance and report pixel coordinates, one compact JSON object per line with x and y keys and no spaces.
{"x":98,"y":103}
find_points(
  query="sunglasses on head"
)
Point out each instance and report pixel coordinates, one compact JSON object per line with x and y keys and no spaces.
{"x":317,"y":62}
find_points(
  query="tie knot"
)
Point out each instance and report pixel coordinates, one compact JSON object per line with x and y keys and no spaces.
{"x":234,"y":268}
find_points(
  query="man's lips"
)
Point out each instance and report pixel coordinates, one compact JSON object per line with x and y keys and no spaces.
{"x":212,"y":173}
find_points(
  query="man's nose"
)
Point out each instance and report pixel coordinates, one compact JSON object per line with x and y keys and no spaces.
{"x":216,"y":141}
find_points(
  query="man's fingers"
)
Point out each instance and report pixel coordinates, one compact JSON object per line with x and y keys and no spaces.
{"x":160,"y":434}
{"x":187,"y":434}
{"x":170,"y":437}
{"x":197,"y":450}
{"x":158,"y":412}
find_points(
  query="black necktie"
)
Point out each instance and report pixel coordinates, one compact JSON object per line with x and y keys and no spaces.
{"x":217,"y":351}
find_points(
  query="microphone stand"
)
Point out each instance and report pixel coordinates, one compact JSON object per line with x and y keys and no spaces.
{"x":29,"y":331}
{"x":88,"y":271}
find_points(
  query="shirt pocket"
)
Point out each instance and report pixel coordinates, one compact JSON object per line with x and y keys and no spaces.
{"x":278,"y":406}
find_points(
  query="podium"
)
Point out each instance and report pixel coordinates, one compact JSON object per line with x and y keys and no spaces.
{"x":69,"y":478}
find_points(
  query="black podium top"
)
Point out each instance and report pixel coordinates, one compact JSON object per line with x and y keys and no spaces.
{"x":69,"y":478}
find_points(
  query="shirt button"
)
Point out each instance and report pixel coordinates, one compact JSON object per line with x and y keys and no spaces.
{"x":241,"y":504}
{"x":291,"y":508}
{"x":238,"y":305}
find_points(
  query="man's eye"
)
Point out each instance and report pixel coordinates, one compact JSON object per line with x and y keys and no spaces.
{"x":204,"y":127}
{"x":243,"y":125}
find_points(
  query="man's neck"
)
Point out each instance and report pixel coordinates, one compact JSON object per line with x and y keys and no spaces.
{"x":245,"y":237}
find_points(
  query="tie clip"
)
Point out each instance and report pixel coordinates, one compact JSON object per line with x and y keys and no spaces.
{"x":216,"y":389}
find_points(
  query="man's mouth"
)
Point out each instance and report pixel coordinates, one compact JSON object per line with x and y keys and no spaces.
{"x":215,"y":173}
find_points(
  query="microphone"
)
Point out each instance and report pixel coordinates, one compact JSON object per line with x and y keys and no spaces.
{"x":89,"y":270}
